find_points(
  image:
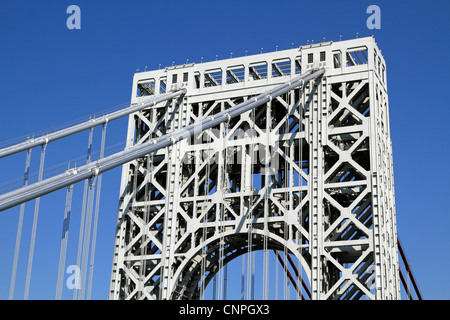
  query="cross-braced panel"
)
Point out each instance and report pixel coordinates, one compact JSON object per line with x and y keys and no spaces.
{"x":309,"y":172}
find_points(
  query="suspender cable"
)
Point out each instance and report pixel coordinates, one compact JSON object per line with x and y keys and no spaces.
{"x":19,"y":228}
{"x":148,"y":197}
{"x":266,"y":203}
{"x":253,"y":212}
{"x":205,"y":216}
{"x":214,"y":290}
{"x":252,"y":296}
{"x":203,"y":258}
{"x":286,"y":201}
{"x":96,"y":212}
{"x":296,"y":271}
{"x":83,"y":210}
{"x":87,"y":237}
{"x":143,"y":253}
{"x":225,"y":279}
{"x":143,"y":246}
{"x":405,"y":285}
{"x":296,"y":233}
{"x":289,"y":275}
{"x":243,"y":277}
{"x":249,"y":184}
{"x":64,"y":238}
{"x":276,"y":277}
{"x":224,"y":188}
{"x":57,"y":182}
{"x":300,"y":194}
{"x":33,"y":231}
{"x":135,"y":180}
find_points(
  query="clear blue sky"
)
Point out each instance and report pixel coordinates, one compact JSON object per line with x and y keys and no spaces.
{"x":50,"y":75}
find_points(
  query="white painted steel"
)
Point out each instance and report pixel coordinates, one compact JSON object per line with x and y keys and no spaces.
{"x":346,"y":218}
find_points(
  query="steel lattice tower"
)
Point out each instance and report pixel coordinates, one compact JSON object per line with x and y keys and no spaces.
{"x":309,"y":171}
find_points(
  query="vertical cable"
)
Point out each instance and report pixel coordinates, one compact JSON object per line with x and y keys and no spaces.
{"x":64,"y":238}
{"x":143,"y":253}
{"x":214,"y":287}
{"x":83,"y":210}
{"x":276,"y":277}
{"x":252,"y":295}
{"x":225,"y":278}
{"x":19,"y":228}
{"x":97,"y":207}
{"x":266,"y":204}
{"x":134,"y":193}
{"x":33,"y":231}
{"x":286,"y":202}
{"x":146,"y":220}
{"x":250,"y":269}
{"x":300,"y":163}
{"x":87,"y":236}
{"x":243,"y":277}
{"x":222,"y":213}
{"x":205,"y":216}
{"x":289,"y":275}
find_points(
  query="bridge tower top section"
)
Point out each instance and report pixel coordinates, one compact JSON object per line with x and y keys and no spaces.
{"x":260,"y":70}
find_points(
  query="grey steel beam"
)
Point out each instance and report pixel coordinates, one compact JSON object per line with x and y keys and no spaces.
{"x":87,"y":171}
{"x":31,"y":143}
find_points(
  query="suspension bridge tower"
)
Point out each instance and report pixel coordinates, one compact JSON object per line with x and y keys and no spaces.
{"x":308,"y":172}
